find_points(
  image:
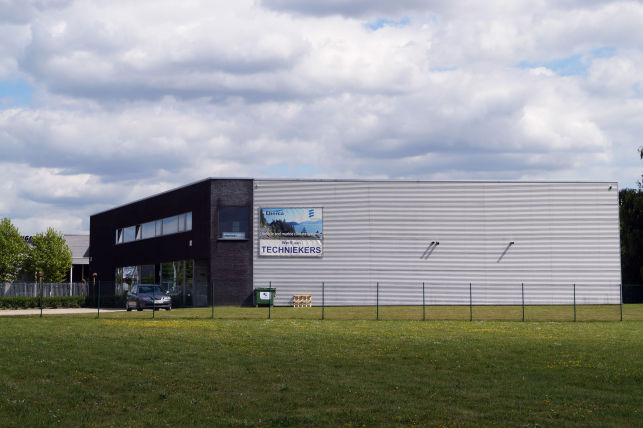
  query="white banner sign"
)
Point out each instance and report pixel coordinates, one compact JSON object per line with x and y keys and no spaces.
{"x":290,"y":247}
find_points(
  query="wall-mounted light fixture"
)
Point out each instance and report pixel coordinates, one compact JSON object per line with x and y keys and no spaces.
{"x":511,"y":243}
{"x":429,"y":249}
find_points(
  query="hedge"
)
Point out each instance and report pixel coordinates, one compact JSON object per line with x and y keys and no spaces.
{"x":47,"y":302}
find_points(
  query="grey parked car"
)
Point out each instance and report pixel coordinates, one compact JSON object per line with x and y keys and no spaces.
{"x":147,"y":296}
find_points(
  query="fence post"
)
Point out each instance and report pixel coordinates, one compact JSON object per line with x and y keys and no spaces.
{"x":98,"y":316}
{"x":522,"y":288}
{"x":377,"y":300}
{"x":323,"y":302}
{"x":153,"y":301}
{"x":212,"y":299}
{"x":470,"y":304}
{"x":40,"y":279}
{"x":574,"y":302}
{"x":621,"y":300}
{"x":94,"y":285}
{"x":423,"y":304}
{"x":269,"y":298}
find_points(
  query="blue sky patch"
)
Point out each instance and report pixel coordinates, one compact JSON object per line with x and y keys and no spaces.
{"x":638,"y":92}
{"x":15,"y":93}
{"x":574,"y":65}
{"x":384,"y":22}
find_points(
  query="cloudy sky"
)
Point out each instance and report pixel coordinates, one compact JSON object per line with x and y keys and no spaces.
{"x":105,"y":102}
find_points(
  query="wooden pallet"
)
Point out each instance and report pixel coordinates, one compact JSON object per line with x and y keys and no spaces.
{"x":301,"y":300}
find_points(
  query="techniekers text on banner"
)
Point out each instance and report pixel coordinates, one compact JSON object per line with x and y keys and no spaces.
{"x":290,"y":247}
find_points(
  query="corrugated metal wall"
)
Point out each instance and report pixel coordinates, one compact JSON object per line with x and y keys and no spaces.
{"x":381,"y":231}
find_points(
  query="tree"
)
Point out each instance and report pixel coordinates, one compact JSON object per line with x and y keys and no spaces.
{"x":13,"y":251}
{"x":631,"y":214}
{"x":51,"y":255}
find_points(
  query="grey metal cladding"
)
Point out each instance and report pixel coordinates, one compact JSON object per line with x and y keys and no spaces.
{"x":563,"y":233}
{"x":79,"y":246}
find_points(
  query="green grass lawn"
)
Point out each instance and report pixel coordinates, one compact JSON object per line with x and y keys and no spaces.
{"x":182,"y":369}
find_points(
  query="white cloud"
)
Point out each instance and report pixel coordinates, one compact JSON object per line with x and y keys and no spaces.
{"x":618,"y":76}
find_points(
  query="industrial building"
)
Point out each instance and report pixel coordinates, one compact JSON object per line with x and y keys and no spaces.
{"x":355,"y":242}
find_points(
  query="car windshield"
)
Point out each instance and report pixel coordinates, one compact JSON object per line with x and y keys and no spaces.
{"x":149,"y":289}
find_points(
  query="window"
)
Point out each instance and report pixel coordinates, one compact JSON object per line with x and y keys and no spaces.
{"x":148,"y":230}
{"x":182,"y":223}
{"x":126,"y":277}
{"x":234,"y":222}
{"x":177,"y":278}
{"x":148,"y":274}
{"x":129,"y":234}
{"x":166,"y":226}
{"x":170,"y":225}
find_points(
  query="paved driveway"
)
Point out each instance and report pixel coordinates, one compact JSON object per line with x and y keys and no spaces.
{"x":36,"y":311}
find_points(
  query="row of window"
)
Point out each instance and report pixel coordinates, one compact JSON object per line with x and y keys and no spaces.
{"x":234,"y":223}
{"x":166,"y":226}
{"x":175,"y":276}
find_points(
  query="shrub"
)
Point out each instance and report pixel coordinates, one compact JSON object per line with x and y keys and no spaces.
{"x":47,"y":302}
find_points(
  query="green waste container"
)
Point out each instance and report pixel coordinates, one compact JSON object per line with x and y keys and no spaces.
{"x":264,"y":296}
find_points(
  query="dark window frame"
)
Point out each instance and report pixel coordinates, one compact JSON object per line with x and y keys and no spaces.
{"x":246,"y":232}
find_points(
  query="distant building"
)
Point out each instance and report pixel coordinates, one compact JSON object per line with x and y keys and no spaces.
{"x":492,"y":242}
{"x":79,"y":246}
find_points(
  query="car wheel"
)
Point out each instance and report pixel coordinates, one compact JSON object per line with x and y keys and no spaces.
{"x":127,"y":306}
{"x":138,"y":307}
{"x":169,"y":308}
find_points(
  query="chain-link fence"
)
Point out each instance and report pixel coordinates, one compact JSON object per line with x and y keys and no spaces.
{"x":471,"y":301}
{"x":32,"y":289}
{"x":379,"y":301}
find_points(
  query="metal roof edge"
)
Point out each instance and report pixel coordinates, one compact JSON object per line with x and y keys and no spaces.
{"x":393,"y":180}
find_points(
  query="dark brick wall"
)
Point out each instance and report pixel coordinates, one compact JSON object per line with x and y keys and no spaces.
{"x":230,"y":262}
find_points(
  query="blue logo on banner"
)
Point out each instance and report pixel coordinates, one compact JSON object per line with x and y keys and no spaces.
{"x":311,"y":213}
